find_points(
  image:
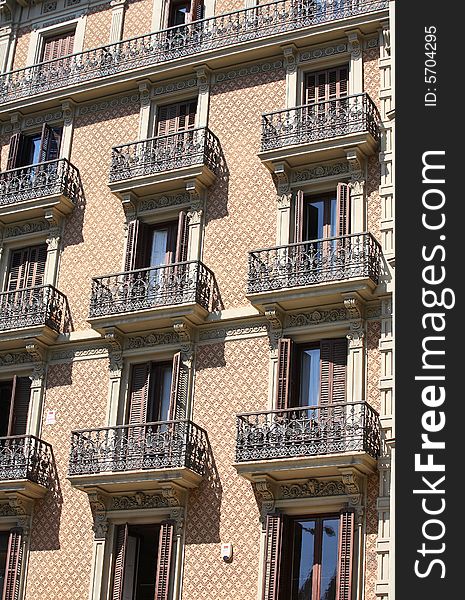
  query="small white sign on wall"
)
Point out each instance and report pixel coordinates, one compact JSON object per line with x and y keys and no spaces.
{"x":51,"y":416}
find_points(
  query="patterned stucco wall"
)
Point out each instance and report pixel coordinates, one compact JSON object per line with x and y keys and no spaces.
{"x":137,"y":18}
{"x":61,"y":537}
{"x":22,"y":47}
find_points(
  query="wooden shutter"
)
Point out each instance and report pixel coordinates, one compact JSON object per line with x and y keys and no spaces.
{"x":299,"y":217}
{"x":274,"y":550}
{"x":15,"y":151}
{"x":120,"y":559}
{"x":164,"y":567}
{"x":21,"y":395}
{"x":13,"y":565}
{"x":343,"y":209}
{"x":333,"y":370}
{"x":182,"y":238}
{"x":283,"y":373}
{"x":139,"y":394}
{"x":49,"y":143}
{"x":27,"y":267}
{"x":179,"y":389}
{"x":174,"y":118}
{"x":36,"y":266}
{"x":346,"y":542}
{"x":131,"y":245}
{"x":58,"y":46}
{"x":197,"y":10}
{"x":326,"y":85}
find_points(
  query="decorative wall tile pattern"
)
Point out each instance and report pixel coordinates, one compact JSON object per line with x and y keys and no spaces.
{"x":231,"y":377}
{"x":373,"y":364}
{"x":371,"y":557}
{"x":22,"y":47}
{"x":93,"y":240}
{"x":373,"y":197}
{"x":137,"y":18}
{"x":225,"y":6}
{"x":61,"y":538}
{"x":98,"y":23}
{"x":371,"y":74}
{"x":245,"y":194}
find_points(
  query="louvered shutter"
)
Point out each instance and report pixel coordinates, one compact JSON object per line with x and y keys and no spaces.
{"x":58,"y":46}
{"x":36,"y":266}
{"x":13,"y":565}
{"x":139,"y":394}
{"x":46,"y":141}
{"x":283,"y":373}
{"x":346,"y":542}
{"x":167,"y":119}
{"x":299,"y":217}
{"x":164,"y":561}
{"x":182,"y":238}
{"x":131,"y":245}
{"x":20,"y":405}
{"x":15,"y":151}
{"x":197,"y":10}
{"x":343,"y":209}
{"x":120,"y":560}
{"x":326,"y":85}
{"x":333,"y":371}
{"x":179,"y":389}
{"x":274,"y":550}
{"x":27,"y":268}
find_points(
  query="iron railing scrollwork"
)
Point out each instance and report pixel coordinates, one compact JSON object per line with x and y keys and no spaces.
{"x":159,"y":445}
{"x":180,"y":41}
{"x":308,"y":431}
{"x":320,"y":121}
{"x":165,"y":153}
{"x":37,"y":181}
{"x":313,"y":262}
{"x":165,"y":285}
{"x":36,"y":306}
{"x":26,"y":457}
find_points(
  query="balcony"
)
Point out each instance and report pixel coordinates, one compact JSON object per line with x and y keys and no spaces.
{"x":252,"y":33}
{"x":39,"y":312}
{"x":138,"y":457}
{"x":314,"y":272}
{"x":26,"y":466}
{"x":158,"y":164}
{"x":308,"y":441}
{"x":26,"y":192}
{"x":320,"y":131}
{"x":150,"y":298}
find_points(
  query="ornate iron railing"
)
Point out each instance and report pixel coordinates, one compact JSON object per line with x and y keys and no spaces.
{"x":320,"y":121}
{"x":166,"y":153}
{"x":26,"y":457}
{"x":30,"y":307}
{"x":314,"y":262}
{"x":37,"y":181}
{"x":308,"y":431}
{"x":166,"y":285}
{"x":193,"y":38}
{"x":160,"y":445}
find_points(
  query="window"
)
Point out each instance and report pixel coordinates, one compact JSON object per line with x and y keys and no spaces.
{"x":36,"y":148}
{"x":322,"y":217}
{"x":309,"y":557}
{"x":57,"y":46}
{"x":150,"y":396}
{"x":175,"y":118}
{"x":142,"y":561}
{"x":326,"y":85}
{"x":11,"y":551}
{"x":183,"y":12}
{"x":14,"y":406}
{"x":311,"y":375}
{"x":26,"y":268}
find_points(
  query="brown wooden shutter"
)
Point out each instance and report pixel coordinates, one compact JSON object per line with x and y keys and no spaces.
{"x":27,"y":267}
{"x":167,"y":119}
{"x":326,"y":85}
{"x":58,"y":46}
{"x":179,"y":389}
{"x":13,"y":565}
{"x":343,"y":209}
{"x":139,"y":394}
{"x":21,"y":395}
{"x":131,"y":245}
{"x":164,"y":561}
{"x":196,"y":10}
{"x":283,"y":373}
{"x":182,"y":238}
{"x":333,"y":371}
{"x":274,"y":550}
{"x":15,"y":150}
{"x":346,"y":542}
{"x":36,"y":267}
{"x":299,"y":217}
{"x":120,"y":559}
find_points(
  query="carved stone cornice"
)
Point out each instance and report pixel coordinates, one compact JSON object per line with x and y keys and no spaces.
{"x":115,"y":350}
{"x":152,"y":339}
{"x":138,"y":501}
{"x":266,"y":496}
{"x":275,"y":317}
{"x":203,"y":78}
{"x":185,"y":335}
{"x":290,"y":58}
{"x":355,"y":309}
{"x":145,"y":92}
{"x":354,"y":46}
{"x":316,"y":317}
{"x":282,"y":174}
{"x":38,"y":355}
{"x":99,"y":506}
{"x":313,"y":488}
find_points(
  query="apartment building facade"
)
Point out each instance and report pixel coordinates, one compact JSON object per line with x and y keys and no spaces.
{"x":196,"y":270}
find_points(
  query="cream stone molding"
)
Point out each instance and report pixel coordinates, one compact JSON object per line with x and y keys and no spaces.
{"x":319,"y":171}
{"x":316,"y":317}
{"x":373,"y":312}
{"x":282,"y":174}
{"x":129,"y":203}
{"x":165,"y":201}
{"x":141,"y":501}
{"x":105,"y":105}
{"x":386,"y":35}
{"x":249,"y":70}
{"x":99,"y":505}
{"x":39,"y":356}
{"x":154,"y":338}
{"x":354,"y":45}
{"x":79,"y":353}
{"x":173,"y":86}
{"x":264,"y":490}
{"x":203,"y":78}
{"x":355,"y":309}
{"x":15,"y":358}
{"x":145,"y":90}
{"x":27,"y":228}
{"x":320,"y":52}
{"x":195,"y":190}
{"x":312,"y":488}
{"x":356,"y":164}
{"x":234,"y":332}
{"x":290,"y":58}
{"x":35,"y":121}
{"x":275,"y":317}
{"x":185,"y":334}
{"x":115,"y":352}
{"x":68,"y":109}
{"x":20,"y":508}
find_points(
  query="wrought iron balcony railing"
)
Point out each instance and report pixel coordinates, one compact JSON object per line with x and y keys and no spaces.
{"x":37,"y":181}
{"x":32,"y":307}
{"x":142,"y":289}
{"x":320,"y":121}
{"x":160,"y":445}
{"x":314,"y":262}
{"x":26,"y":457}
{"x":165,"y":153}
{"x":187,"y":40}
{"x":308,"y":432}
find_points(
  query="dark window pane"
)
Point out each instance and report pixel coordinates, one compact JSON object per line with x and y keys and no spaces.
{"x":303,"y":559}
{"x":329,"y":552}
{"x":310,"y":377}
{"x":314,"y":220}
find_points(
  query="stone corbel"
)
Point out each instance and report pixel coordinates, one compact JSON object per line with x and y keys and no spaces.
{"x":114,"y":340}
{"x":275,"y":317}
{"x":38,"y":355}
{"x":203,"y":78}
{"x":354,"y":45}
{"x":129,"y":203}
{"x":68,"y":108}
{"x":144,"y":93}
{"x":290,"y":58}
{"x":282,"y":171}
{"x":186,"y":337}
{"x":99,"y":506}
{"x":16,"y":121}
{"x":386,"y":37}
{"x":21,"y":509}
{"x":355,"y":308}
{"x":195,"y":190}
{"x":176,"y":508}
{"x":356,"y":170}
{"x":266,"y":495}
